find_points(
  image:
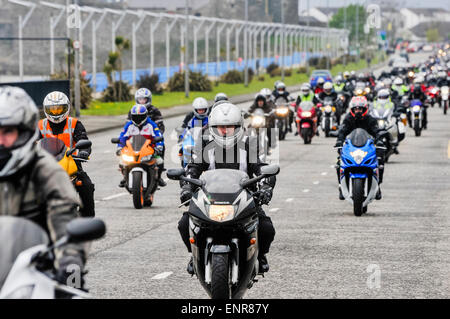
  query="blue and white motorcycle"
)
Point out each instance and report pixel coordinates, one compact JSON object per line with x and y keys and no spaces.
{"x":359,"y":170}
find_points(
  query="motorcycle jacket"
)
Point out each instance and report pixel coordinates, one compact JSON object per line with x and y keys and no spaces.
{"x":266,"y":107}
{"x":43,"y":193}
{"x":149,"y":130}
{"x":349,"y":123}
{"x":155,"y":115}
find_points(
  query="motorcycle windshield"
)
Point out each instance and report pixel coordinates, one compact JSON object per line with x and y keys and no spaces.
{"x":307,"y":106}
{"x":359,"y":137}
{"x":17,"y":235}
{"x":258,"y":112}
{"x":137,"y":142}
{"x":54,"y":146}
{"x":223,"y":181}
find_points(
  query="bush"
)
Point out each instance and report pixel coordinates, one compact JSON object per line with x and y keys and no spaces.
{"x":323,"y":63}
{"x":85,"y":89}
{"x":261,"y":78}
{"x":232,"y":77}
{"x":272,"y":67}
{"x":111,"y":94}
{"x":277,"y":72}
{"x":314,"y":61}
{"x":301,"y":70}
{"x":150,"y":82}
{"x":197,"y":82}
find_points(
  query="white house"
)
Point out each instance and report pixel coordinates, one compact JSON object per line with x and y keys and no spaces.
{"x":415,"y":16}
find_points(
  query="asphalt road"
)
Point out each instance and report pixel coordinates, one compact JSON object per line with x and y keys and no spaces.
{"x":399,"y":249}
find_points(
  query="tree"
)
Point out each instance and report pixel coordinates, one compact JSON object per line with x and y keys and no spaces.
{"x":337,"y":21}
{"x":433,"y":35}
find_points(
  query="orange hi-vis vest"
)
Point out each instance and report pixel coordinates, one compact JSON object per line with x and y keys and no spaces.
{"x":66,"y":136}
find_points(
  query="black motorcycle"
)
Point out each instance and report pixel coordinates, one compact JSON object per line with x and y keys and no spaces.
{"x":223,"y":227}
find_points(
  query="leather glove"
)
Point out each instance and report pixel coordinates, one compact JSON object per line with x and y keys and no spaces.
{"x":70,"y":271}
{"x":83,"y":154}
{"x":265,"y":195}
{"x":186,"y":193}
{"x":338,"y":144}
{"x":159,"y":150}
{"x":118,"y":152}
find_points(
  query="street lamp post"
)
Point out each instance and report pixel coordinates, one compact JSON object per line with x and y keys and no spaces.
{"x":246,"y":45}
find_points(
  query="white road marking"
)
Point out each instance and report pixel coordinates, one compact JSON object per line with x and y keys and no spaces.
{"x":316,"y":183}
{"x":163,"y":275}
{"x":114,"y":196}
{"x":97,"y":201}
{"x":273,"y":210}
{"x":289,"y":199}
{"x":332,"y":166}
{"x":108,"y":151}
{"x":324,"y":173}
{"x":305,"y":190}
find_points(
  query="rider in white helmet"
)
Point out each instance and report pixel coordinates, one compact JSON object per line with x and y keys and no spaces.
{"x":226,"y":126}
{"x":143,"y":96}
{"x":58,"y":124}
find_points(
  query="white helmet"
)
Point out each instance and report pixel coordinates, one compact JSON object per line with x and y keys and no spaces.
{"x":383,"y":94}
{"x":200,"y":103}
{"x":56,"y":106}
{"x":327,"y":87}
{"x":143,"y":93}
{"x":220,"y":97}
{"x":226,"y":114}
{"x":266,"y":92}
{"x":398,"y":81}
{"x":17,"y":110}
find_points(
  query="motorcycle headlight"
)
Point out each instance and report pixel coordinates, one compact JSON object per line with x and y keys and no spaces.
{"x":358,"y":155}
{"x":328,"y":109}
{"x":147,"y":158}
{"x":367,"y":90}
{"x":416,"y":108}
{"x":257,"y":121}
{"x":306,"y":114}
{"x":381,"y":123}
{"x":359,"y":92}
{"x":221,"y":213}
{"x":411,"y":74}
{"x":22,"y":293}
{"x":282,"y":111}
{"x":434,"y":91}
{"x":127,"y":158}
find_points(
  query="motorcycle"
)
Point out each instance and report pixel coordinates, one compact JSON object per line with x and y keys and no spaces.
{"x":259,"y":128}
{"x":27,"y":260}
{"x":282,"y":117}
{"x":187,"y":143}
{"x":432,"y":94}
{"x":359,"y":170}
{"x":66,"y":158}
{"x":416,"y":112}
{"x":306,"y":120}
{"x":387,"y":124}
{"x":444,"y":98}
{"x":140,"y":167}
{"x":329,"y":118}
{"x":224,"y":229}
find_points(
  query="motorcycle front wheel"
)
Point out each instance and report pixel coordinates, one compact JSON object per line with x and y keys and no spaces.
{"x":417,"y":127}
{"x":358,"y":196}
{"x":220,"y":288}
{"x":138,"y":190}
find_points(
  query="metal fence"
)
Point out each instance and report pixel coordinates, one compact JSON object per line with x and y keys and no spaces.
{"x":289,"y":44}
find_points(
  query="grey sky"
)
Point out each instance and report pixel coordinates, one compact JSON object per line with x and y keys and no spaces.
{"x":409,"y":3}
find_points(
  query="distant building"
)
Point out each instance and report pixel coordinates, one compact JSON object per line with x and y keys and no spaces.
{"x":415,"y":16}
{"x":319,"y":14}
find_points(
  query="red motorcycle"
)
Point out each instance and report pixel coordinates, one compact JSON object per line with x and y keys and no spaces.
{"x":432,"y":94}
{"x":306,"y":119}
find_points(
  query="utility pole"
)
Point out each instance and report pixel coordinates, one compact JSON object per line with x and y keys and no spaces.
{"x":328,"y":37}
{"x":246,"y":45}
{"x":77,"y":46}
{"x":282,"y":40}
{"x":186,"y":54}
{"x":357,"y":30}
{"x":308,"y":40}
{"x":345,"y":28}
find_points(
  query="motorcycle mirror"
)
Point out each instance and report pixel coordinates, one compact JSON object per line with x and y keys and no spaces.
{"x":270,"y":170}
{"x":175,"y":174}
{"x":83,"y":144}
{"x":85,"y":229}
{"x":115,"y":140}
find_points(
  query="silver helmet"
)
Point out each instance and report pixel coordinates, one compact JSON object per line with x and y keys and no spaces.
{"x":220,"y":97}
{"x":200,"y":103}
{"x":226,"y":114}
{"x":17,"y":110}
{"x":143,"y":96}
{"x":56,"y":106}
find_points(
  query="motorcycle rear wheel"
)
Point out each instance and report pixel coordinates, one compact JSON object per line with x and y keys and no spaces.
{"x":220,"y":288}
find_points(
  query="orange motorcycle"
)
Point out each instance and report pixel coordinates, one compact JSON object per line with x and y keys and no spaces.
{"x":139,"y":165}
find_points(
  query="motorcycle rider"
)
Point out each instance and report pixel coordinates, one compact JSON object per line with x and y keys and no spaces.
{"x":269,"y":98}
{"x":261,"y":103}
{"x":226,"y":126}
{"x":220,"y":97}
{"x":141,"y":124}
{"x":383,"y":100}
{"x":417,"y":94}
{"x":59,"y":124}
{"x":329,"y":94}
{"x":199,"y":113}
{"x":32,"y":184}
{"x":144,"y":96}
{"x":398,"y":89}
{"x":319,"y":86}
{"x":280,"y":92}
{"x":359,"y":117}
{"x":338,"y":84}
